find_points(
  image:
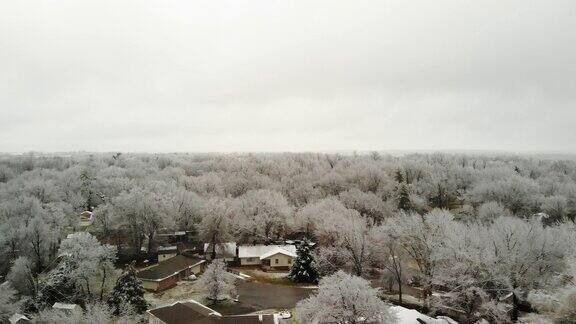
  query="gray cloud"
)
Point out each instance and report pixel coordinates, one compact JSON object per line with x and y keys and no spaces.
{"x":143,"y":75}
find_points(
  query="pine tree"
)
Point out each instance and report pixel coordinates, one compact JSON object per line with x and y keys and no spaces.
{"x":399,"y":177}
{"x":302,"y":269}
{"x":404,"y":198}
{"x":128,"y":291}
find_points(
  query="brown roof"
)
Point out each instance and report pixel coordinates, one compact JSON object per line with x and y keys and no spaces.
{"x":247,"y":319}
{"x":195,"y":313}
{"x":185,"y":313}
{"x":168,"y":268}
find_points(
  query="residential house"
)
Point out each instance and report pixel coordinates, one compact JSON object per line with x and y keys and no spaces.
{"x":226,"y":251}
{"x":167,"y":252}
{"x":86,"y":219}
{"x":269,"y":257}
{"x":167,"y":273}
{"x":192,"y":312}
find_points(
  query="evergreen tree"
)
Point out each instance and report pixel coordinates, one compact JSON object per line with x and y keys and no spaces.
{"x":399,"y":176}
{"x":128,"y":291}
{"x":86,"y":189}
{"x":302,"y":269}
{"x":404,"y":198}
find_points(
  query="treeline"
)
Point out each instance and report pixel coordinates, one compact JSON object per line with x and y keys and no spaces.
{"x":361,"y":209}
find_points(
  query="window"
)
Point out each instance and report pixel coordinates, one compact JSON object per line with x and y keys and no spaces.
{"x":276,"y":261}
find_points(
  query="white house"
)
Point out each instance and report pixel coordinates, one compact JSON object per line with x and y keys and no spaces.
{"x":275,"y":257}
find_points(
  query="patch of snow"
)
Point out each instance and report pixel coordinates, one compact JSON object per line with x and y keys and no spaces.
{"x":285,"y":314}
{"x":243,"y":275}
{"x":411,"y":316}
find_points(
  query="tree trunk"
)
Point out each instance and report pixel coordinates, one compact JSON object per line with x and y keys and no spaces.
{"x":515,"y":306}
{"x":150,"y":242}
{"x":399,"y":290}
{"x":213,"y":254}
{"x":102,"y":285}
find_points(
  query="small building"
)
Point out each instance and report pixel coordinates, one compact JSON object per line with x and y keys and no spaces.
{"x":166,"y":274}
{"x":167,"y":252}
{"x":226,"y":251}
{"x":172,"y":237}
{"x":86,"y":218}
{"x":192,"y":312}
{"x":270,"y":257}
{"x":68,"y":308}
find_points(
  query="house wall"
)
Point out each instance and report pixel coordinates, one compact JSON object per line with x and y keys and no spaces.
{"x":171,"y":281}
{"x":150,"y":285}
{"x":250,"y":261}
{"x":163,"y":257}
{"x":197,"y":269}
{"x":280,"y":260}
{"x":154,"y":320}
{"x":167,"y":283}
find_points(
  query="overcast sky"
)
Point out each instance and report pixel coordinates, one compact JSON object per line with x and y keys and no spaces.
{"x":277,"y":75}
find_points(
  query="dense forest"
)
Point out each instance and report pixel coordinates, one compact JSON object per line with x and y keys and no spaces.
{"x":478,"y":228}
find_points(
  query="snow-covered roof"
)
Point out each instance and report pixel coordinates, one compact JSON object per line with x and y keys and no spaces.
{"x":64,"y":306}
{"x":17,"y":317}
{"x":411,"y":316}
{"x":86,"y":218}
{"x":257,"y":251}
{"x":278,"y":250}
{"x":86,"y":215}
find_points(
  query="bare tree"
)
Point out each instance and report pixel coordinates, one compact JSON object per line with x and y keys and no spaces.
{"x":216,"y":284}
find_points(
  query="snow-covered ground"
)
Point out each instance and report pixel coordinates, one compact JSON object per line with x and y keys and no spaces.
{"x":410,"y":316}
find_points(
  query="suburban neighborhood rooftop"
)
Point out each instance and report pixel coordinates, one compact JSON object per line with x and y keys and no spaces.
{"x":192,"y":312}
{"x":257,"y":251}
{"x":169,"y":267}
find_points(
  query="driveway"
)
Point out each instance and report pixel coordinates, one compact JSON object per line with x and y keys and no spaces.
{"x":256,"y":296}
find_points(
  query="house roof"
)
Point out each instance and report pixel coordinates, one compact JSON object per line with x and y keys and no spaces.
{"x":168,"y":268}
{"x":277,"y":250}
{"x":86,"y":215}
{"x":192,"y":312}
{"x":249,"y":319}
{"x":167,"y":249}
{"x":64,"y":306}
{"x":18,"y":318}
{"x":188,"y":312}
{"x":227,"y":250}
{"x":256,"y":251}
